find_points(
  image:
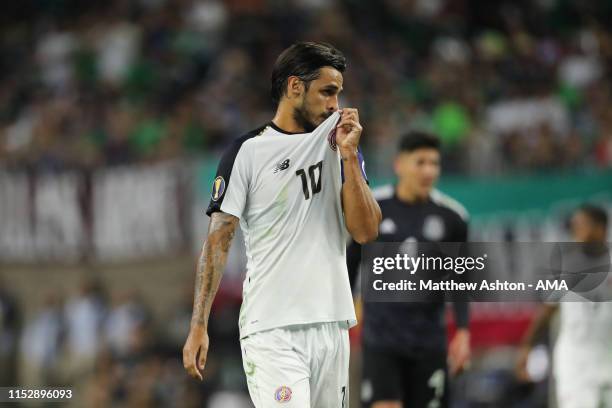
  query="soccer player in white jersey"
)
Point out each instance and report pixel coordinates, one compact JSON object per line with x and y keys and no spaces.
{"x":297,"y":186}
{"x":582,"y":359}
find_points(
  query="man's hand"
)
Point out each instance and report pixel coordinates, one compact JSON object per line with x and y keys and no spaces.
{"x":538,"y":326}
{"x":195,"y":351}
{"x":361,"y":211}
{"x":459,"y":352}
{"x":348,"y":132}
{"x":521,"y":364}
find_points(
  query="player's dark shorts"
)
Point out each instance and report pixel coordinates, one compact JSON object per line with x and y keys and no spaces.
{"x":419,"y":382}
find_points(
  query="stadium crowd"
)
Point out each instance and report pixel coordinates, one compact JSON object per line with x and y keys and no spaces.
{"x":509,"y":86}
{"x":109,"y":349}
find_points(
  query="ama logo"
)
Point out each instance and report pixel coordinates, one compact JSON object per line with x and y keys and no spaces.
{"x":282,"y":394}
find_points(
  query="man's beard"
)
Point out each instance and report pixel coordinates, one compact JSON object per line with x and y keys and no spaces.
{"x":302,"y":117}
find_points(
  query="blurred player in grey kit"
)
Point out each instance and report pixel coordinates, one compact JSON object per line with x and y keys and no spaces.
{"x":582,"y":359}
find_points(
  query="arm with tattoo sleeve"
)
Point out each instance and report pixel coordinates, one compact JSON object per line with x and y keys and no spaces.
{"x":208,"y":276}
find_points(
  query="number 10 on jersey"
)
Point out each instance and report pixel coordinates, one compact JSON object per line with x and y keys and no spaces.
{"x":314,"y":172}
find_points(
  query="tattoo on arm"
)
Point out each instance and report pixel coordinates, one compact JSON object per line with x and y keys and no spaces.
{"x":211,"y":264}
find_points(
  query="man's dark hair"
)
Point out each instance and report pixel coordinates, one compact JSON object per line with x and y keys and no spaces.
{"x":303,"y":60}
{"x":417,"y":139}
{"x":597,"y":214}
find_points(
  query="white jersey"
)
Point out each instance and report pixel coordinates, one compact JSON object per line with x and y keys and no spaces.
{"x":584,"y":346}
{"x":286,"y":190}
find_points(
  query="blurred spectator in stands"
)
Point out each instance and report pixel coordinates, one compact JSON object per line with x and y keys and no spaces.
{"x":98,"y":389}
{"x":156,"y":80}
{"x":116,"y":41}
{"x":603,"y":144}
{"x":84,"y":313}
{"x":9,"y":326}
{"x":119,"y":125}
{"x":40,"y":344}
{"x":53,"y":55}
{"x":125,"y":318}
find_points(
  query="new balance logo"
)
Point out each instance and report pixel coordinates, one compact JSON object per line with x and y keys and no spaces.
{"x":281,"y":166}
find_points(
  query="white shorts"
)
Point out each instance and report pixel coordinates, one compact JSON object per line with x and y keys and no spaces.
{"x":302,"y":366}
{"x":583,"y":377}
{"x":583,"y":395}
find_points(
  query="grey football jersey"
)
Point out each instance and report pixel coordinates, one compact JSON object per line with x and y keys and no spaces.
{"x":286,"y":190}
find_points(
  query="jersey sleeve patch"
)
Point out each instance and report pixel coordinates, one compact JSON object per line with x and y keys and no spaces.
{"x":230,"y":187}
{"x":218,"y":188}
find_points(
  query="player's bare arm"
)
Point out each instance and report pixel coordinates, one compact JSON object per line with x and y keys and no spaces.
{"x":208,"y":276}
{"x":459,"y":351}
{"x":362,"y":214}
{"x":534,"y":332}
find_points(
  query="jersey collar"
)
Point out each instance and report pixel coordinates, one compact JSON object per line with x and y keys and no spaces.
{"x":279,"y":130}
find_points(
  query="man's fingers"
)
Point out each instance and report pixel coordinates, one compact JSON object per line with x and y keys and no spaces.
{"x":184,"y":358}
{"x":521,"y":371}
{"x":201,"y":359}
{"x":190,"y":364}
{"x":458,"y":369}
{"x":348,"y":121}
{"x":452,"y":363}
{"x":458,"y":359}
{"x":342,"y":121}
{"x":187,"y":358}
{"x":350,"y":115}
{"x":457,"y":366}
{"x":345,"y":112}
{"x":193,"y":371}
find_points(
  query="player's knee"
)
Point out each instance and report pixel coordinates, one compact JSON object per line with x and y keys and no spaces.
{"x":387,"y":404}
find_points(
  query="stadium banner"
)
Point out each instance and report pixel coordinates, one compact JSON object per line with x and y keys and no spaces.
{"x":110,"y":214}
{"x":41,"y":216}
{"x":486,"y":272}
{"x":136,"y":211}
